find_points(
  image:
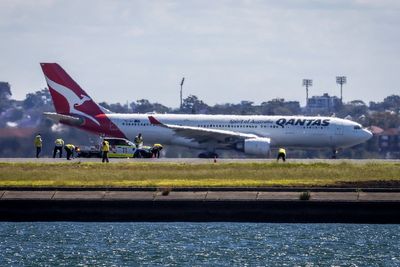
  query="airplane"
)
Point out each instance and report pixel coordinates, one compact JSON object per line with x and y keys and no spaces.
{"x":249,"y":134}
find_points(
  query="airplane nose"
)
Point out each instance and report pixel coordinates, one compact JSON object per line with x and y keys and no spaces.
{"x":367,"y":134}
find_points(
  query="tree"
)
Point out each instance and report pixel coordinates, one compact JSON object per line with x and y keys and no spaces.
{"x":117,"y":107}
{"x":5,"y":90}
{"x":143,"y":106}
{"x":392,"y":102}
{"x":246,"y":107}
{"x":389,"y":103}
{"x":159,"y":108}
{"x":16,"y":114}
{"x":279,"y":106}
{"x":384,"y":120}
{"x":354,"y":109}
{"x":38,"y":99}
{"x":224,"y":109}
{"x":105,"y":105}
{"x":193,"y":105}
{"x":5,"y":94}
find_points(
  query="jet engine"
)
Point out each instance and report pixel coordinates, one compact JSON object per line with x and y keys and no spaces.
{"x":255,"y":146}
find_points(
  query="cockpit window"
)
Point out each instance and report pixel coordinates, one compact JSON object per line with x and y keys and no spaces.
{"x":357,"y":127}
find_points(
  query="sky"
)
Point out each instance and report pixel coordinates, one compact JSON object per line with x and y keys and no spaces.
{"x":228,"y":51}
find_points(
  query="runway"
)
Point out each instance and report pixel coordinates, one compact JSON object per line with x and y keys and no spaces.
{"x":197,"y":160}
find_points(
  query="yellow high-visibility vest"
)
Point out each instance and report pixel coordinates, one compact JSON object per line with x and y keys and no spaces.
{"x":38,"y":141}
{"x":71,"y":147}
{"x":138,"y":141}
{"x":282,"y":150}
{"x":59,"y":142}
{"x":105,"y":147}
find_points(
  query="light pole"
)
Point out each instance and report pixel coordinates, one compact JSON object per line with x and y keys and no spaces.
{"x":307,"y":83}
{"x":183,"y":79}
{"x":341,"y":80}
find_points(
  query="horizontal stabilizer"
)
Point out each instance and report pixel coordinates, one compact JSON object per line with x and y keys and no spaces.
{"x":63,"y":118}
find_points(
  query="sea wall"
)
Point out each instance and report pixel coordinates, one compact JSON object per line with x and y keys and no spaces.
{"x":200,"y":206}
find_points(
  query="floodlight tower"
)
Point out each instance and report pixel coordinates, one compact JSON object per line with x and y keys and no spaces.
{"x":341,"y":80}
{"x":307,"y":83}
{"x":183,"y":79}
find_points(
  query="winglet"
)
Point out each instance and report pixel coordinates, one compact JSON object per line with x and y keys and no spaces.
{"x":154,"y":121}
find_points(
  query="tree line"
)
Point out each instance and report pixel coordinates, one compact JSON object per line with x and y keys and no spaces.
{"x":27,"y":114}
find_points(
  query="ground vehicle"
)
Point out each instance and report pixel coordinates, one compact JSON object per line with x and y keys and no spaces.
{"x":119,"y":148}
{"x":148,"y":151}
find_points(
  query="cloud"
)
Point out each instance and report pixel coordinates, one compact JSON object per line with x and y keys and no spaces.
{"x":252,"y":50}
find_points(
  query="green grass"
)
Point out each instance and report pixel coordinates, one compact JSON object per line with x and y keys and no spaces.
{"x":191,"y":175}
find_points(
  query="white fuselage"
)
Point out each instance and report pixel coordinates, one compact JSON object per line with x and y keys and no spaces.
{"x":284,"y":131}
{"x":249,"y":134}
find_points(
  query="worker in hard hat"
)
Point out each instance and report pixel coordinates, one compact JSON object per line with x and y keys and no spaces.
{"x":38,"y":144}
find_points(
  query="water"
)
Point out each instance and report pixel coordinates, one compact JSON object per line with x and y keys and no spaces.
{"x":198,"y":244}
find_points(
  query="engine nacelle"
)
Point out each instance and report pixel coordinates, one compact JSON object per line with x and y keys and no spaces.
{"x":255,"y":146}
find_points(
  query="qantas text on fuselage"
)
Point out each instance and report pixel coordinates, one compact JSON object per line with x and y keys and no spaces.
{"x":254,"y":135}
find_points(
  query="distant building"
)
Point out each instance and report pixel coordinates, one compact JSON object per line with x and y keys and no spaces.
{"x":375,"y":130}
{"x":322,"y":105}
{"x":389,"y":143}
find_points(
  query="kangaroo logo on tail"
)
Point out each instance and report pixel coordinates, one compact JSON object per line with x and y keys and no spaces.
{"x":79,"y":103}
{"x":73,"y":100}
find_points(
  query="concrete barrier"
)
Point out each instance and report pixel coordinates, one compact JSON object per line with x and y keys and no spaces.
{"x":200,"y":206}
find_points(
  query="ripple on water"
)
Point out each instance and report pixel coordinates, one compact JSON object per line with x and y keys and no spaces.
{"x":198,"y":244}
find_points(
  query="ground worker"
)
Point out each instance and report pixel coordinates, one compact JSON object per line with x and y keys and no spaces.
{"x":155,"y":150}
{"x":58,"y":145}
{"x":69,"y":148}
{"x":281,"y":154}
{"x":138,"y":140}
{"x":105,"y":148}
{"x":38,"y":144}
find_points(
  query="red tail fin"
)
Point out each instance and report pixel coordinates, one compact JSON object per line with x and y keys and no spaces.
{"x":68,"y":97}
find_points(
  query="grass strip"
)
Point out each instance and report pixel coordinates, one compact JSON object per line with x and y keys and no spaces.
{"x":139,"y":174}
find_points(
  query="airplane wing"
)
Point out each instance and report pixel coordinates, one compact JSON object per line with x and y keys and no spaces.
{"x":202,"y":135}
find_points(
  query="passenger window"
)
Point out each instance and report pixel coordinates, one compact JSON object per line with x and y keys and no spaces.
{"x":120,"y":142}
{"x":357,"y":127}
